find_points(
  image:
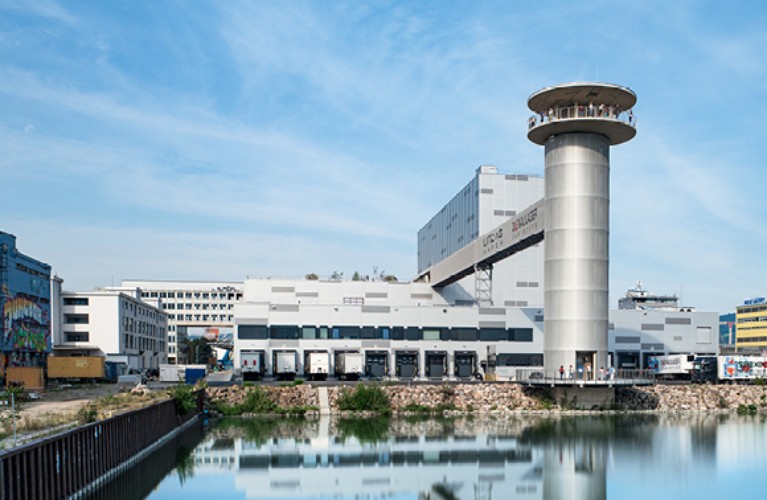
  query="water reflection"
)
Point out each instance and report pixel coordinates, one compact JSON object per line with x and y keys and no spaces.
{"x":525,"y":458}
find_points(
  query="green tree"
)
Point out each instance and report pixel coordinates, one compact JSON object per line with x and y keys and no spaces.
{"x":336,"y":276}
{"x":312,"y":277}
{"x":356,"y":276}
{"x":198,"y":350}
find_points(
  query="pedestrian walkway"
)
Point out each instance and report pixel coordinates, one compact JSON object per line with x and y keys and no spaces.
{"x":322,"y":392}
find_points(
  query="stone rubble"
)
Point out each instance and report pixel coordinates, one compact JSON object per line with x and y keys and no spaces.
{"x":510,"y":398}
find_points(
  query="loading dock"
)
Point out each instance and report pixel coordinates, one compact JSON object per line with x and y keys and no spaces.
{"x":376,"y":364}
{"x":407,"y":364}
{"x":465,"y":364}
{"x":436,"y":364}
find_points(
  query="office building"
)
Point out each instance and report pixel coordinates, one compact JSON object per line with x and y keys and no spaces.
{"x":114,"y":323}
{"x":25,"y":296}
{"x":194,"y":309}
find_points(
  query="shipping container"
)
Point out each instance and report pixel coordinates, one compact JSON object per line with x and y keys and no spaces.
{"x":76,"y":367}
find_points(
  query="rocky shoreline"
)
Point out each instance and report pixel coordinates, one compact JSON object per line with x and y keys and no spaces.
{"x":510,"y":398}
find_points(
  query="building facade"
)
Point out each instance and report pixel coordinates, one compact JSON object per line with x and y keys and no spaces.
{"x":194,"y":309}
{"x":114,"y":323}
{"x":488,"y":200}
{"x":751,"y":321}
{"x":25,"y":300}
{"x":404,"y":330}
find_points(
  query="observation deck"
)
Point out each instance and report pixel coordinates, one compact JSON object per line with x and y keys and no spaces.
{"x":597,"y":108}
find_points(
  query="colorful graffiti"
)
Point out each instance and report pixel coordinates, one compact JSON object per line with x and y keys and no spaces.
{"x":26,"y":324}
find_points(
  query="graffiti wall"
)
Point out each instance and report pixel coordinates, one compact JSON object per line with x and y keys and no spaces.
{"x":26,"y":324}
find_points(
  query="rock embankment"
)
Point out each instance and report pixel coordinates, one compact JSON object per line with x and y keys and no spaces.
{"x":284,"y":397}
{"x":672,"y":398}
{"x":512,"y":398}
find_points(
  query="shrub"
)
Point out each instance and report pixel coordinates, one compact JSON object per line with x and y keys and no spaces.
{"x":184,"y":397}
{"x":257,"y":401}
{"x":414,"y":407}
{"x":87,"y":413}
{"x":364,"y":397}
{"x":747,"y":409}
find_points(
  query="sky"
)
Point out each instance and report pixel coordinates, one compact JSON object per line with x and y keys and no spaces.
{"x":219,"y":140}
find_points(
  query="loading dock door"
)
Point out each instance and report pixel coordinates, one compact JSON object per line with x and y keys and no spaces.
{"x":464,"y":364}
{"x":435,"y":364}
{"x":407,"y":364}
{"x":376,"y":363}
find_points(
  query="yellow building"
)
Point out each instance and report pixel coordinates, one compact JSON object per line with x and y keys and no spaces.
{"x":751,"y":319}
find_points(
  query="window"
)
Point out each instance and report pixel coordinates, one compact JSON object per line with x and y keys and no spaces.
{"x":308,"y":332}
{"x":368,"y":332}
{"x":519,"y":360}
{"x":520,"y":334}
{"x":283,"y":332}
{"x":76,"y":336}
{"x":252,"y":332}
{"x":76,"y":319}
{"x":346,"y":332}
{"x":492,"y":334}
{"x":75,"y":301}
{"x":435,"y":333}
{"x":464,"y":334}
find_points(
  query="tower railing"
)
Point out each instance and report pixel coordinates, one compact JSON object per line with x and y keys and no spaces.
{"x":582,"y":112}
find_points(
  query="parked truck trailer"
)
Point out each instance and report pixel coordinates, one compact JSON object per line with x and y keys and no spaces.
{"x":741,"y":368}
{"x":349,"y":365}
{"x":673,"y":366}
{"x":252,"y":365}
{"x":285,"y":365}
{"x":317,"y":365}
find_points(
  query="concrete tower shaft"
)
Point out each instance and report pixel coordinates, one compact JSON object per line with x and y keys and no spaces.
{"x":577,"y":123}
{"x":576,"y":255}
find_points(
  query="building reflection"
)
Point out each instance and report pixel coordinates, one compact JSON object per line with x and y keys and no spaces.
{"x":517,"y":464}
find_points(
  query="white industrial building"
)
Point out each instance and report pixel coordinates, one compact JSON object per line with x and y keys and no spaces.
{"x":110,"y":322}
{"x":406,"y":330}
{"x":418,"y":330}
{"x":487,"y":201}
{"x":441,"y":325}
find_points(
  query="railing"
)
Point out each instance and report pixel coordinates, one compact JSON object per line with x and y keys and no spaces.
{"x":600,"y":377}
{"x":62,"y":465}
{"x":580,"y":111}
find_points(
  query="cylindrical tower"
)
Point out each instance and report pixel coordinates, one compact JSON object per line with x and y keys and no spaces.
{"x":577,"y":123}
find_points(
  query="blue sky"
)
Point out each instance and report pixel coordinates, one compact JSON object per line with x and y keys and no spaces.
{"x":219,"y":140}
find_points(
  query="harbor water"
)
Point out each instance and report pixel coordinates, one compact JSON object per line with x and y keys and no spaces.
{"x":639,"y":457}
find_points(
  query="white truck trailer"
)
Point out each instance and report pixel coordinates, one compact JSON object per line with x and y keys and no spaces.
{"x":349,"y":365}
{"x":285,"y":365}
{"x":741,"y":368}
{"x":251,"y":365}
{"x":317,"y":365}
{"x":673,"y":366}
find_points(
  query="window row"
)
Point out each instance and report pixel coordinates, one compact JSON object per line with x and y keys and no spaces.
{"x":201,"y":317}
{"x":194,"y":295}
{"x":196,"y":306}
{"x":260,"y":332}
